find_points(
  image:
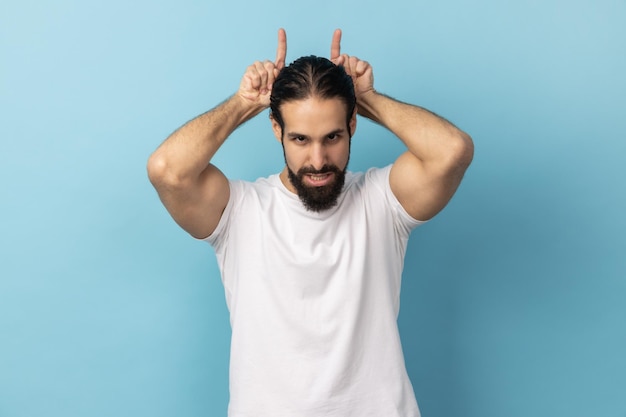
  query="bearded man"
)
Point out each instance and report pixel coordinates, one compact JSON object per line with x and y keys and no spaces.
{"x":311,"y":258}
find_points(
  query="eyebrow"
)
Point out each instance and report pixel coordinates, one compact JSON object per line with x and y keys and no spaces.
{"x":292,"y":135}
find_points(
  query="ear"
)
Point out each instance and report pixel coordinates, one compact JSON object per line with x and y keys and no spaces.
{"x":278,"y":131}
{"x":352,"y":123}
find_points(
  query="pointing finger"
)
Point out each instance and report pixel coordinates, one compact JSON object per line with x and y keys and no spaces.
{"x":281,"y":51}
{"x":335,"y":46}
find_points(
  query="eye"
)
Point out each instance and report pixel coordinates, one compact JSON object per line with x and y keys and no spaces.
{"x":332,"y":137}
{"x":299,"y":139}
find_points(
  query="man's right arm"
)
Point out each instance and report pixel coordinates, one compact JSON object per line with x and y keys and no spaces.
{"x":194,"y":191}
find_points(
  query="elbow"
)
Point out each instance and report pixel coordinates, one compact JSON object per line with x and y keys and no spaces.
{"x":461,"y":152}
{"x":466,"y":154}
{"x":161,"y":173}
{"x":156,"y":168}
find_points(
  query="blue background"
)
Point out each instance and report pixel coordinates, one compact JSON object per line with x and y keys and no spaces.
{"x":513,"y":297}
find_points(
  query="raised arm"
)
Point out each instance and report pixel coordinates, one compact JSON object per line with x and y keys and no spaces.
{"x":193,"y":190}
{"x":424,"y":178}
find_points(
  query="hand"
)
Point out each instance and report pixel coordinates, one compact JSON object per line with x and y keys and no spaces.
{"x":360,"y":71}
{"x":256,"y":84}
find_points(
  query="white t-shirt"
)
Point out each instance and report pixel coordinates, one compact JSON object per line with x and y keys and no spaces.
{"x":314,"y":300}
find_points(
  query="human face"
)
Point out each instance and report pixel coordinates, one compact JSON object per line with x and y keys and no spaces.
{"x":316,"y":144}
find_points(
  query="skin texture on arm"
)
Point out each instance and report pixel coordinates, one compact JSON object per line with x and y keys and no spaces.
{"x":424,"y":178}
{"x":194,"y":191}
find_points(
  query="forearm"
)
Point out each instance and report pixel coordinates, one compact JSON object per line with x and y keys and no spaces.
{"x":187,"y":152}
{"x":427,"y":136}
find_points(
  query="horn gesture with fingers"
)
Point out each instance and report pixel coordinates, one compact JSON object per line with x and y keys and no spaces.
{"x":256,"y":84}
{"x":360,"y":71}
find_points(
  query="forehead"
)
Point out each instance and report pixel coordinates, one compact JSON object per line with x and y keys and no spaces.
{"x":314,"y":114}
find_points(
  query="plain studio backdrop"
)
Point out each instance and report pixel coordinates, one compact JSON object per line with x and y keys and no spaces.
{"x":514,"y":297}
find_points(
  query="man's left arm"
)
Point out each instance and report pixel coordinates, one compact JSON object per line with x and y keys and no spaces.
{"x":425,"y":177}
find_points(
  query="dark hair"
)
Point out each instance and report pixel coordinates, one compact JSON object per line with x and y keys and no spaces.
{"x":312,"y":76}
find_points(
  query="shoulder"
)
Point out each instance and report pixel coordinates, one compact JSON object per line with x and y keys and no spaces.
{"x":374,"y":179}
{"x":367,"y":188}
{"x":375,"y":188}
{"x":244,"y":189}
{"x":371,"y":175}
{"x":245,"y":197}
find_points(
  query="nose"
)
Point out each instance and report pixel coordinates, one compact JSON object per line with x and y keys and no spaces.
{"x":318,"y":156}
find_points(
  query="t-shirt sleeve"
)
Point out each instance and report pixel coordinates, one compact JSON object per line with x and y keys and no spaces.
{"x":379,"y":177}
{"x":220,"y":234}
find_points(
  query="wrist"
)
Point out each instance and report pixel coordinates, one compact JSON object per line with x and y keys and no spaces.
{"x":245,"y":108}
{"x":367,"y":104}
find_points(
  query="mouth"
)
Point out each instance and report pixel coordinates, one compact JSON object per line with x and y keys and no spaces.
{"x":319,"y":180}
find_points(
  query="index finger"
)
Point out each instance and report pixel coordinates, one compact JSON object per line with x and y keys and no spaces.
{"x":335,"y":46}
{"x":281,"y":51}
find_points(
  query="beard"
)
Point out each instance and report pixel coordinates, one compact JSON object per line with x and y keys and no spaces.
{"x":321,"y":198}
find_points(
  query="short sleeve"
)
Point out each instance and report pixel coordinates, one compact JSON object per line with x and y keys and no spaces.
{"x":218,"y":238}
{"x":379,"y":178}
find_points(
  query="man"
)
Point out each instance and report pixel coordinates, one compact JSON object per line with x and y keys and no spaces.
{"x":311,"y":258}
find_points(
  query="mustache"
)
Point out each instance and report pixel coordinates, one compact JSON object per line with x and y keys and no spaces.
{"x":323,"y":170}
